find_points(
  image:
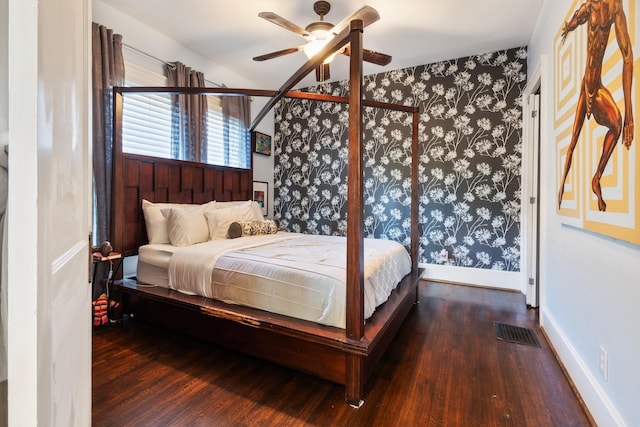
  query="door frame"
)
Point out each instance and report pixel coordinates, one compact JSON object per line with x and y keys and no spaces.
{"x":22,"y":208}
{"x":531,"y":194}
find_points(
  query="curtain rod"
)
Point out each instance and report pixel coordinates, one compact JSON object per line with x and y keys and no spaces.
{"x":148,"y":55}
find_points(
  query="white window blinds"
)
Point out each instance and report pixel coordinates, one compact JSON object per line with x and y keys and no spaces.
{"x":146,"y":120}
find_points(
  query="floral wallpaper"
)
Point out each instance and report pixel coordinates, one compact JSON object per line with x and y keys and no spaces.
{"x":470,"y":146}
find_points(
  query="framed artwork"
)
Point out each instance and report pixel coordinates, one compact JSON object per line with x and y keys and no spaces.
{"x":261,"y":195}
{"x":261,"y":143}
{"x":597,"y":165}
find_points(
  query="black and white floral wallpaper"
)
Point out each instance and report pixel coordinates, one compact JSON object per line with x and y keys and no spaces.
{"x":469,"y":156}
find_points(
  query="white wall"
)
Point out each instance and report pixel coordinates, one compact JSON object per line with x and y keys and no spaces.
{"x":148,"y":40}
{"x":506,"y":280}
{"x":4,"y":90}
{"x":590,"y":283}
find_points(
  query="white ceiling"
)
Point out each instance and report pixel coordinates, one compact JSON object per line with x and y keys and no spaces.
{"x":413,"y":32}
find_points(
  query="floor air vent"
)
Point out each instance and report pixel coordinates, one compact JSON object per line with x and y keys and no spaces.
{"x":516,"y":334}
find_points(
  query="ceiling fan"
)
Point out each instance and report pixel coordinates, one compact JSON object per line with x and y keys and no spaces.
{"x":318,"y":33}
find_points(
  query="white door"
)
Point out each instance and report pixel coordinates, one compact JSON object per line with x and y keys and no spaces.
{"x":49,"y":349}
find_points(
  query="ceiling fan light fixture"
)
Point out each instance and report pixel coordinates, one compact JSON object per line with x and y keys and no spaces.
{"x":315,"y":46}
{"x":320,"y":34}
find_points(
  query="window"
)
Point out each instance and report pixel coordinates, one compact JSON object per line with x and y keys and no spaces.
{"x":230,"y":151}
{"x":146,"y":120}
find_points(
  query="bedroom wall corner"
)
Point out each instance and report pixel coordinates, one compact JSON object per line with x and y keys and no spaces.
{"x":589,"y":282}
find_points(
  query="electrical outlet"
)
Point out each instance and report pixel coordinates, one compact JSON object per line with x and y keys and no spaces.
{"x":603,"y":363}
{"x":444,"y":255}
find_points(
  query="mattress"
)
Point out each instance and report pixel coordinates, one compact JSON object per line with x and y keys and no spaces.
{"x":153,"y":264}
{"x":297,"y":275}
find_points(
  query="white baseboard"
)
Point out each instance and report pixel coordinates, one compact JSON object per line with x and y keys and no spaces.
{"x":601,"y":408}
{"x":507,"y":280}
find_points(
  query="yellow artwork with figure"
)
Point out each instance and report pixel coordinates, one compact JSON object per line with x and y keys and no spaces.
{"x":595,"y":100}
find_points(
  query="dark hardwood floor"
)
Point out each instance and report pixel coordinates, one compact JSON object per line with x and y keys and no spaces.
{"x":445,"y":368}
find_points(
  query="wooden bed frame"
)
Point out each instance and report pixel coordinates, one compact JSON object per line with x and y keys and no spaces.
{"x":346,"y":356}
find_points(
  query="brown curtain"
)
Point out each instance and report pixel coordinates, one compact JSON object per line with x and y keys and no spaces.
{"x":108,"y":71}
{"x":238,"y":107}
{"x":189,"y":115}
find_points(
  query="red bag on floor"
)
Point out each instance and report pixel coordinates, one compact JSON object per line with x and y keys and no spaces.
{"x":100,"y":310}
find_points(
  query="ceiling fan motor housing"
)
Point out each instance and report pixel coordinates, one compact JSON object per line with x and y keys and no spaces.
{"x":319,"y":26}
{"x":321,"y":8}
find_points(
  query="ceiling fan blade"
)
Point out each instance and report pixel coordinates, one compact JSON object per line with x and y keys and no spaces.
{"x":322,"y":72}
{"x":367,"y":14}
{"x":284,"y":23}
{"x":370,"y":56}
{"x":276,"y":54}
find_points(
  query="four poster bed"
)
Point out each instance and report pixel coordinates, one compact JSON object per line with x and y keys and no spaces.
{"x":344,"y":351}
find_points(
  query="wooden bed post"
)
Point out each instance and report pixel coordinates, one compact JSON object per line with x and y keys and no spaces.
{"x":355,"y":253}
{"x":414,"y":191}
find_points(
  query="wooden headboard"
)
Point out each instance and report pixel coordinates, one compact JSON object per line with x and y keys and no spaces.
{"x":166,"y":180}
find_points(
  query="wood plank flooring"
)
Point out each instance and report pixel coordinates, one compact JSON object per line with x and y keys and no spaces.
{"x":445,"y":368}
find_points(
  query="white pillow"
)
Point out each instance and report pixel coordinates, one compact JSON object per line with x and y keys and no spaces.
{"x":256,"y":207}
{"x":186,"y":226}
{"x":257,"y":211}
{"x":219,"y":220}
{"x":155,"y":221}
{"x":226,"y":205}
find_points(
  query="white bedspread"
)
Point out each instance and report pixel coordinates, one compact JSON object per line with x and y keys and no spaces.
{"x":298,"y":275}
